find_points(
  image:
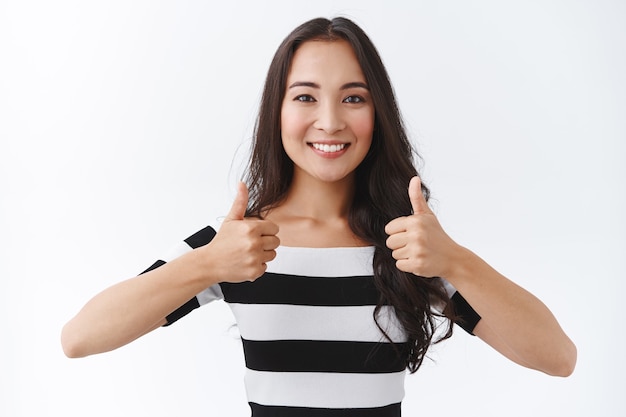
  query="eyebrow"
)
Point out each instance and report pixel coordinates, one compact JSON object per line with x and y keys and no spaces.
{"x":346,"y":86}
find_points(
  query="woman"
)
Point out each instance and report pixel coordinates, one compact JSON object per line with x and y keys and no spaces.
{"x":336,"y":270}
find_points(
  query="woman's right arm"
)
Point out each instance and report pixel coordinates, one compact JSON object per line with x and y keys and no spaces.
{"x":132,"y":308}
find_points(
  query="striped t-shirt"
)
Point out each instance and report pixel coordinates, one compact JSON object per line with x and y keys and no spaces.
{"x":311,"y":345}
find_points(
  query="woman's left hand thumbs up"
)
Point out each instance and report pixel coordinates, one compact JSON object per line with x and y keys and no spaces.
{"x":419,"y":243}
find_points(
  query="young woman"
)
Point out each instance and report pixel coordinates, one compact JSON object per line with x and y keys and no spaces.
{"x":337,"y":271}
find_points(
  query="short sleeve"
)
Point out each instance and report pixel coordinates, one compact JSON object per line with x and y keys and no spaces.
{"x":198,"y":239}
{"x":467,"y":317}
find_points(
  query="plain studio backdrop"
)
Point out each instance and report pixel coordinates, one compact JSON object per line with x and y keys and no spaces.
{"x":124,"y":127}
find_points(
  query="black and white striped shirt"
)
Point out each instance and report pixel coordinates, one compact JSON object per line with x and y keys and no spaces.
{"x":311,"y":345}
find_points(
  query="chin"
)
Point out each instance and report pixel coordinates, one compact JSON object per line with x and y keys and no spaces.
{"x":330,"y":178}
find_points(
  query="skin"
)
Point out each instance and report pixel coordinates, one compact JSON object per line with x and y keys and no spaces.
{"x":327,"y":102}
{"x":513,"y":321}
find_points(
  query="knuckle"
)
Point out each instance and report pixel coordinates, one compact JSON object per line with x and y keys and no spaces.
{"x":247,"y":245}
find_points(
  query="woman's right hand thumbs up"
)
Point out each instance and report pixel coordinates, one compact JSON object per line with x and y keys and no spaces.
{"x":243,"y":246}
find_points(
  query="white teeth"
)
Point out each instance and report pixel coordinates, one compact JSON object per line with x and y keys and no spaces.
{"x":329,"y":148}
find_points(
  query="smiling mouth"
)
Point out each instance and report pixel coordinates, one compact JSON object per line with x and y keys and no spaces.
{"x":324,"y":147}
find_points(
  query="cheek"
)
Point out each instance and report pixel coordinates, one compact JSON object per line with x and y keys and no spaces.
{"x":363,"y":125}
{"x":290,"y":122}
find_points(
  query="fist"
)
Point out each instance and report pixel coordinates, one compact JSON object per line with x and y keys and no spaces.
{"x":418,"y":242}
{"x":243,"y":246}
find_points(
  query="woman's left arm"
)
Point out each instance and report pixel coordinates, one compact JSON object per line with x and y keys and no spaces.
{"x":513,"y":321}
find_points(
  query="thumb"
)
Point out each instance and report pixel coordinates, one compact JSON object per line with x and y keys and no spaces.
{"x":418,"y":202}
{"x":238,"y":209}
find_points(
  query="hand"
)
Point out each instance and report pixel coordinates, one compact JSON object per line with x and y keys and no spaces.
{"x":243,"y":246}
{"x":419,"y":243}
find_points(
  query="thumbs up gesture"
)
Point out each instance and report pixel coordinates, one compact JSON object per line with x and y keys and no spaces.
{"x":418,"y":242}
{"x":243,"y":246}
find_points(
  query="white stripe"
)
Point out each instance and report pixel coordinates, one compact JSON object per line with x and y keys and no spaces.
{"x":317,"y":262}
{"x":180,"y":249}
{"x":323,"y":262}
{"x":293,"y":322}
{"x":210,"y":294}
{"x":325,"y":390}
{"x":448,"y":287}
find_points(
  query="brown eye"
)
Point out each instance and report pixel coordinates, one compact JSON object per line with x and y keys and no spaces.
{"x":304,"y":98}
{"x":354,"y":100}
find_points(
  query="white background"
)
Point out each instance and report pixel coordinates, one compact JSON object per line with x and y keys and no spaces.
{"x":123,"y":127}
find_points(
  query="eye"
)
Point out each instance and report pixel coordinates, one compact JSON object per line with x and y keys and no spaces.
{"x":354,"y":100}
{"x":304,"y":98}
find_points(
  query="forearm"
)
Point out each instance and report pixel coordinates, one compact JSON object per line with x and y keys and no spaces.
{"x":515,"y":322}
{"x":132,"y":308}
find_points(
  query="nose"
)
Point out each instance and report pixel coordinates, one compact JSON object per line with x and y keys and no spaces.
{"x":329,"y":118}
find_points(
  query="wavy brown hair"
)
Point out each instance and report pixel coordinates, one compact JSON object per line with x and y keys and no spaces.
{"x":380,"y":187}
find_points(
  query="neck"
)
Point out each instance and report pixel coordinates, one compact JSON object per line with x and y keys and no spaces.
{"x":319,"y":200}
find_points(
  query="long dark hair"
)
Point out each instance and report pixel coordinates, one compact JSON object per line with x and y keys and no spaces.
{"x":381,"y":181}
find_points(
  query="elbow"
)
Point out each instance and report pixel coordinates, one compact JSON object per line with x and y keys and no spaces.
{"x":565,"y":364}
{"x":71,"y":343}
{"x":564,"y":370}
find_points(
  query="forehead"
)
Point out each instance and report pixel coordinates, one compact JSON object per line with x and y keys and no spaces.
{"x":328,"y":61}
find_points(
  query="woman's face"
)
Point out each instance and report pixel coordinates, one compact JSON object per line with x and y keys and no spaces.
{"x":327,"y":115}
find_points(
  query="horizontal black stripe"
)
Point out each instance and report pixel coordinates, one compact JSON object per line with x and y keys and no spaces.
{"x":154,"y":266}
{"x":272,"y":288}
{"x":201,"y":237}
{"x":258,"y":410}
{"x":182,"y":311}
{"x":467,"y":317}
{"x":324,"y":356}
